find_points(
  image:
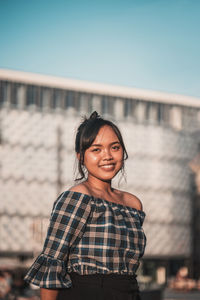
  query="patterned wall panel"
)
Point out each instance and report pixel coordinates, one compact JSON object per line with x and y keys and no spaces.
{"x":158,"y":172}
{"x":37,"y":163}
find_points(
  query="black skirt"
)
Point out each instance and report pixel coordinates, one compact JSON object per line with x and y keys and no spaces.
{"x":101,"y":287}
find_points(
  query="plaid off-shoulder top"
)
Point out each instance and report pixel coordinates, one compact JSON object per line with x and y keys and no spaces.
{"x":88,"y":235}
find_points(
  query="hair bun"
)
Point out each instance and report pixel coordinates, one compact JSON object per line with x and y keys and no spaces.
{"x":94,"y":115}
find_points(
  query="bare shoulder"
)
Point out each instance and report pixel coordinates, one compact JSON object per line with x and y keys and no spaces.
{"x":132,"y":201}
{"x":80,"y":188}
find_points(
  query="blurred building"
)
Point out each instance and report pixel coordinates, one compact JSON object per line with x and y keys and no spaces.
{"x":38,"y":118}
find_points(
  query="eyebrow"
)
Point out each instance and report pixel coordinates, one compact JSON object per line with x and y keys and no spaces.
{"x":99,"y":145}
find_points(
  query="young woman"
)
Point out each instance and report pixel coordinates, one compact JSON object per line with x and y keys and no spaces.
{"x":95,"y":237}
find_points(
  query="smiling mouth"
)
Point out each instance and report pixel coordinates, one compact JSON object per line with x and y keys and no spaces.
{"x":108,"y":167}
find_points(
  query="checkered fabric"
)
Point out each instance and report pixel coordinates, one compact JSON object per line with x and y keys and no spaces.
{"x":88,"y":235}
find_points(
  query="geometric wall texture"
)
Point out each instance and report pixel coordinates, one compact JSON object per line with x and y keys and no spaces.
{"x":38,"y":160}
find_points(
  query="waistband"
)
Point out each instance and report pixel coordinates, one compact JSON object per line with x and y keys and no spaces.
{"x":118,"y":281}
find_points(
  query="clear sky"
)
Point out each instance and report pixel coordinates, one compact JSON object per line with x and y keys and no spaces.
{"x":150,"y":44}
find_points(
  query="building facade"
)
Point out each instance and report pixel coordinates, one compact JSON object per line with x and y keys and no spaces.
{"x":38,"y":118}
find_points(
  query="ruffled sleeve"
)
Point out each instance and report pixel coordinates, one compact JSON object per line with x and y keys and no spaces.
{"x":68,"y":219}
{"x":142,"y":216}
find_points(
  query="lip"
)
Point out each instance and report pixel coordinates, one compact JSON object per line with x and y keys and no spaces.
{"x":108,"y":167}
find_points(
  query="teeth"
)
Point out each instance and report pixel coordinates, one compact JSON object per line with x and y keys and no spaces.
{"x":107,"y":166}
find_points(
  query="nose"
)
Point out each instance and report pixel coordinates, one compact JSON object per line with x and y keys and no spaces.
{"x":107,"y":155}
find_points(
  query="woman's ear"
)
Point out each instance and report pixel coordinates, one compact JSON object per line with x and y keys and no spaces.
{"x":78,"y":156}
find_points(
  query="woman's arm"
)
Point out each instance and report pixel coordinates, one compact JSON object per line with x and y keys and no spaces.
{"x":67,"y":224}
{"x":48,"y":294}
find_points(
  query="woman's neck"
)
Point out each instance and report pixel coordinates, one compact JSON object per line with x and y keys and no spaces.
{"x":98,"y":185}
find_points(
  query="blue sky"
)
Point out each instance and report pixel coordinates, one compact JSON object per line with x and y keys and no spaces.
{"x":150,"y":44}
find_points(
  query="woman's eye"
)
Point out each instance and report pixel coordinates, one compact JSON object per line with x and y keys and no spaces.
{"x":116,"y":147}
{"x":95,"y":150}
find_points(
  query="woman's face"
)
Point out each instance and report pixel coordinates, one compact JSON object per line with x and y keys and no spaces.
{"x":104,"y":158}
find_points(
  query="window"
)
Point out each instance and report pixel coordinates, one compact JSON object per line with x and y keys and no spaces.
{"x":166,"y":114}
{"x":160,"y":112}
{"x":45,"y":97}
{"x":96,"y":103}
{"x":140,"y":111}
{"x":72,"y":100}
{"x":129,"y":108}
{"x":176,"y":117}
{"x":14,"y":94}
{"x":57,"y":98}
{"x":85,"y":103}
{"x":69,"y":99}
{"x":157,"y":113}
{"x":3,"y":91}
{"x":32,"y":95}
{"x":190,"y":118}
{"x":107,"y":105}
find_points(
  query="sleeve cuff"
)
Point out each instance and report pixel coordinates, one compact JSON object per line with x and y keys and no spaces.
{"x":48,"y":272}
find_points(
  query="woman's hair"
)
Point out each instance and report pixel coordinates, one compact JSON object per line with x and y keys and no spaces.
{"x":86,"y":134}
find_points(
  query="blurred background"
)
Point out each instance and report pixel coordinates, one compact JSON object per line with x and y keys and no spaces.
{"x":137,"y":64}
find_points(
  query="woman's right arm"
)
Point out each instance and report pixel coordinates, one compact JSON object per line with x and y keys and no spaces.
{"x":48,"y":294}
{"x":68,"y":220}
